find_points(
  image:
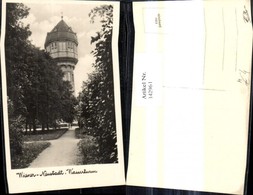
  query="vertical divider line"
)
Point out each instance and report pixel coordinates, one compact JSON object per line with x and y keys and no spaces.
{"x":224,"y":39}
{"x":205,"y":46}
{"x":237,"y":34}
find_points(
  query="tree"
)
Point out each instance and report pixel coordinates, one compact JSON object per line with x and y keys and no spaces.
{"x":16,"y":40}
{"x":97,"y":96}
{"x":68,"y":105}
{"x":16,"y":66}
{"x":48,"y":98}
{"x":35,"y":83}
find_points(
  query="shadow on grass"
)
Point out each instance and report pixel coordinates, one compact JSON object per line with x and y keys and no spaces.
{"x":30,"y":152}
{"x":45,"y":135}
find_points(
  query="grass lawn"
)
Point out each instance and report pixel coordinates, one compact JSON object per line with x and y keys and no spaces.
{"x":29,"y":153}
{"x":44,"y":135}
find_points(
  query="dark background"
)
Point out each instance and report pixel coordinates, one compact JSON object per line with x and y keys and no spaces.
{"x":126,"y":49}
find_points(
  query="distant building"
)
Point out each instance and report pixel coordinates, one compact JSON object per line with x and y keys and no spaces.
{"x":62,"y":44}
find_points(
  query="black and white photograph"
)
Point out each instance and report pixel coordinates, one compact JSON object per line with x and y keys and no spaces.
{"x":62,"y":88}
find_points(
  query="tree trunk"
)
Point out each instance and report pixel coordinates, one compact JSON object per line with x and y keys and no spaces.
{"x":26,"y":126}
{"x":34,"y":126}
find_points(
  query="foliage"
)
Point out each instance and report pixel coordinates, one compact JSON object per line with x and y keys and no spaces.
{"x":16,"y":135}
{"x":68,"y":104}
{"x":34,"y":82}
{"x":29,"y":153}
{"x":16,"y":40}
{"x":48,"y":97}
{"x":97,"y":97}
{"x":37,"y":94}
{"x":89,"y":151}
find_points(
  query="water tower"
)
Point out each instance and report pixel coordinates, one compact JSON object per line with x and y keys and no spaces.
{"x":61,"y":43}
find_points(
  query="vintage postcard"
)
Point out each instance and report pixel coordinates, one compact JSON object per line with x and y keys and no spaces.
{"x":61,"y":99}
{"x":191,"y":94}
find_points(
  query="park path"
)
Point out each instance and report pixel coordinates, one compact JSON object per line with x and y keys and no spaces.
{"x":61,"y":152}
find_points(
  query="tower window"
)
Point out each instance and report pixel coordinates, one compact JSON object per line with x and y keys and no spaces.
{"x":53,"y":46}
{"x":62,"y":46}
{"x":70,"y":46}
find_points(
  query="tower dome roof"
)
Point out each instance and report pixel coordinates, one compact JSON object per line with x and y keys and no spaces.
{"x":61,"y":32}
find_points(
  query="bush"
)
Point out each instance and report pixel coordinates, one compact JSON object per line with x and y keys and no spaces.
{"x":16,"y":136}
{"x":89,"y":151}
{"x":97,"y":113}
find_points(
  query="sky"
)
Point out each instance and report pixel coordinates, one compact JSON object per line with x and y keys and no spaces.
{"x":43,"y":17}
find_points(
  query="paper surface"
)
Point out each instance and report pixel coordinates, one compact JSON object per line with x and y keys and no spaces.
{"x":60,"y":175}
{"x":191,"y":89}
